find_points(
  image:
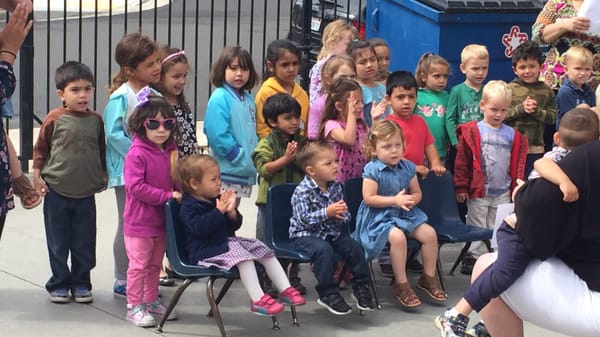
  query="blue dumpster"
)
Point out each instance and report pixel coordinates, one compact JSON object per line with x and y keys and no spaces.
{"x":444,"y":27}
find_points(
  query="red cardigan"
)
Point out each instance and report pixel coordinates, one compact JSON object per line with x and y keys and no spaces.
{"x":468,"y":174}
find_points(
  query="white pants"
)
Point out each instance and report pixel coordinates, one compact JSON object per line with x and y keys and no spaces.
{"x":549,"y":294}
{"x":482,"y":213}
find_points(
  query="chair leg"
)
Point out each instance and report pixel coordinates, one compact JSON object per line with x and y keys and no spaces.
{"x":221,"y":294}
{"x":173,"y":302}
{"x":440,"y":274}
{"x":275,"y":323}
{"x":214,"y":308}
{"x":460,"y":257}
{"x":488,"y":245}
{"x":294,"y":316}
{"x":374,"y":286}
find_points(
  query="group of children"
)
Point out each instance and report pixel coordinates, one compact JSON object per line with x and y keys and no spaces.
{"x":362,"y":121}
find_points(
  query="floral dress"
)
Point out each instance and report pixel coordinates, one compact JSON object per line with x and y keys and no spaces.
{"x":553,"y":72}
{"x":351,"y":160}
{"x":7,"y":87}
{"x":187,"y":143}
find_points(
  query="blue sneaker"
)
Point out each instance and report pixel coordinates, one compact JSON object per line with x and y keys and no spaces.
{"x":120,"y":288}
{"x":82,"y":295}
{"x":60,"y":295}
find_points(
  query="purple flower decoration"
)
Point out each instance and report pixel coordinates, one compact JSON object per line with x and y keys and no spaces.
{"x":143,"y":96}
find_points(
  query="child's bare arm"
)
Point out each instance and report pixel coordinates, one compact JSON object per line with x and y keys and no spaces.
{"x":434,"y":160}
{"x":549,"y":170}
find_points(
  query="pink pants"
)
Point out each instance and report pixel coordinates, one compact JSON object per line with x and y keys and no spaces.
{"x":145,"y":259}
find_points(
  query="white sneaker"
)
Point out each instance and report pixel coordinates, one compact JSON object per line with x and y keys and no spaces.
{"x":139,"y":316}
{"x":159,"y":309}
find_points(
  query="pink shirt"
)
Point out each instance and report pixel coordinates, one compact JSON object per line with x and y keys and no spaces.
{"x":350,"y":158}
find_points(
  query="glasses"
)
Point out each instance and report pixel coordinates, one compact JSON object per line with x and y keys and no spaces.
{"x":154,"y":123}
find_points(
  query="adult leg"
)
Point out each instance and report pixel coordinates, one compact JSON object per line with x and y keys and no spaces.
{"x":82,"y":240}
{"x":119,"y":252}
{"x":57,"y":224}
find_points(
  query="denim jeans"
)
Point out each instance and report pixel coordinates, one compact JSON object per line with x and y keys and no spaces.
{"x":325,"y":253}
{"x":70,"y":228}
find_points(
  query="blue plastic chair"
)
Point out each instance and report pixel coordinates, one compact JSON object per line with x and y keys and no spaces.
{"x":439,"y":203}
{"x":181,"y":266}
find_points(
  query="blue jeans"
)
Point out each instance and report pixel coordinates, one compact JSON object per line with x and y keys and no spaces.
{"x":70,"y":228}
{"x":325,"y":253}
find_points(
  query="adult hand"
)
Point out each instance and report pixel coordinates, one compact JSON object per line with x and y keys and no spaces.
{"x":16,"y":29}
{"x":577,"y":24}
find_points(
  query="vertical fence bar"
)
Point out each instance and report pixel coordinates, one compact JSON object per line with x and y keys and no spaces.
{"x":195,"y":72}
{"x":80,"y":29}
{"x":278,"y":19}
{"x":96,"y":54}
{"x":225,"y":10}
{"x":26,"y":103}
{"x":183,"y":26}
{"x":169,"y":22}
{"x":264,"y":40}
{"x":251,"y":27}
{"x":155,"y":19}
{"x":239,"y":18}
{"x":47,"y":55}
{"x":140,"y":9}
{"x":125,"y":18}
{"x":64,"y":31}
{"x":211,"y":43}
{"x":109,"y":49}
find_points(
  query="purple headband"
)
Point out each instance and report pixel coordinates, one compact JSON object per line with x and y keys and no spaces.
{"x":143,"y":96}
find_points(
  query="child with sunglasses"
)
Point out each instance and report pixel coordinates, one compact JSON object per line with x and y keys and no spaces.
{"x":148,"y":186}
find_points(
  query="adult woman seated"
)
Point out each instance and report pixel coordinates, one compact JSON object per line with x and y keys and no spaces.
{"x":562,"y":293}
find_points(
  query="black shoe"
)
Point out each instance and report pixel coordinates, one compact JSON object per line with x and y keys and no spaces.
{"x":166,"y":281}
{"x":386,"y":270}
{"x":414,"y":266}
{"x":362,"y":296}
{"x":335,"y":303}
{"x":295,"y":282}
{"x":466,"y":267}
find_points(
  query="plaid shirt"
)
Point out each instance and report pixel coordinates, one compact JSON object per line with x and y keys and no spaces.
{"x":309,"y":217}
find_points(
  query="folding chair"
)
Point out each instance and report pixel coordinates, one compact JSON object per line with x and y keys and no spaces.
{"x":181,"y":266}
{"x":439,"y":203}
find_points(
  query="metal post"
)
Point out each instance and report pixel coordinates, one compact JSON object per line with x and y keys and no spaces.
{"x":26,"y":99}
{"x":306,"y":23}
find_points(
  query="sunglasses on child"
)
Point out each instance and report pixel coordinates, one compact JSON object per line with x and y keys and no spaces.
{"x":155,"y":123}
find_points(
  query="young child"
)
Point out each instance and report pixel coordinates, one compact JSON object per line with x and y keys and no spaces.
{"x":373,"y":92}
{"x":335,"y":67}
{"x":336,"y":38}
{"x":69,"y":167}
{"x":401,"y":95}
{"x":490,"y":157}
{"x":575,"y":92}
{"x":173,"y":77}
{"x":382,"y":50}
{"x":432,"y":99}
{"x":533,"y":104}
{"x":230,"y":124}
{"x":282,"y":65}
{"x":274,"y":159}
{"x":148,"y":186}
{"x":210,"y":219}
{"x":140,"y":64}
{"x":317,"y":226}
{"x":464,"y":99}
{"x":343,"y":126}
{"x":388,"y":213}
{"x":579,"y":126}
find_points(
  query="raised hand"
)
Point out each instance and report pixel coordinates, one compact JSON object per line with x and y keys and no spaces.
{"x":378,"y":110}
{"x":16,"y":29}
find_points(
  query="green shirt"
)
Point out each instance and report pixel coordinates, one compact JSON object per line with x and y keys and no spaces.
{"x":432,"y":106}
{"x":463,"y":107}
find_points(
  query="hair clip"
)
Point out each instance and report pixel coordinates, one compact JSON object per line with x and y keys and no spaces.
{"x":143,"y":96}
{"x":170,"y":56}
{"x":356,"y":40}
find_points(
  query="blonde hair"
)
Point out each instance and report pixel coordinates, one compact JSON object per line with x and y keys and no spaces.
{"x":496,"y":89}
{"x":578,"y":53}
{"x":381,"y":130}
{"x":192,"y":167}
{"x":332,"y":33}
{"x":425,"y":64}
{"x":332,"y":66}
{"x":476,"y":51}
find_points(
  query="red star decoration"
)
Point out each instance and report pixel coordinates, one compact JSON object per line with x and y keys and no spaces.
{"x":513,"y":39}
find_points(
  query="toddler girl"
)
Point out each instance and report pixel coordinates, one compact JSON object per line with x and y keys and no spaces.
{"x":282,"y":64}
{"x":229,"y":123}
{"x":335,"y":67}
{"x":432,"y":99}
{"x":343,"y":126}
{"x":210,"y":218}
{"x":138,"y":57}
{"x":388,"y":213}
{"x":148,"y":186}
{"x":336,"y":38}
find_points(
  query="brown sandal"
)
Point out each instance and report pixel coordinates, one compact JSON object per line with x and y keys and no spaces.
{"x":406,"y":295}
{"x":24,"y":190}
{"x":430,"y":285}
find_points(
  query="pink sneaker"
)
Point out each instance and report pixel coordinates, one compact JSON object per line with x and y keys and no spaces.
{"x":266,"y":306}
{"x":291,"y":296}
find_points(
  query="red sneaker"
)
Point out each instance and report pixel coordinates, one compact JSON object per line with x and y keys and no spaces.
{"x":291,"y":296}
{"x":266,"y":306}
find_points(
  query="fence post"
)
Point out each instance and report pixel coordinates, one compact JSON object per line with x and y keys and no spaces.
{"x":307,"y":16}
{"x":26,"y":100}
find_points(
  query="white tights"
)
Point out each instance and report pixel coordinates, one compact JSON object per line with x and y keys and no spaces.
{"x":249,"y":276}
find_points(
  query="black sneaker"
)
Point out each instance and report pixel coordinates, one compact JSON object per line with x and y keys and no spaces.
{"x":451,"y":326}
{"x":467,"y":264}
{"x":335,"y":303}
{"x":362,"y":296}
{"x":386,"y":270}
{"x":478,"y":330}
{"x":295,"y":282}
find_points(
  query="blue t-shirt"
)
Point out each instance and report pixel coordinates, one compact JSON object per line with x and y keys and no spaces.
{"x":496,"y":146}
{"x":372,"y":95}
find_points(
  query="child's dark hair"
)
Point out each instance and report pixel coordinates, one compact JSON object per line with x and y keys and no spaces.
{"x":280,"y":104}
{"x":132,"y":50}
{"x":354,"y":47}
{"x":228,"y":54}
{"x":275,"y":51}
{"x":425,"y":64}
{"x":338,"y":92}
{"x":306,"y":155}
{"x":578,"y":126}
{"x":526,"y":51}
{"x":401,"y":78}
{"x":377,"y":42}
{"x":72,"y":71}
{"x":170,"y":57}
{"x":151,"y":109}
{"x":192,"y":167}
{"x":381,"y":130}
